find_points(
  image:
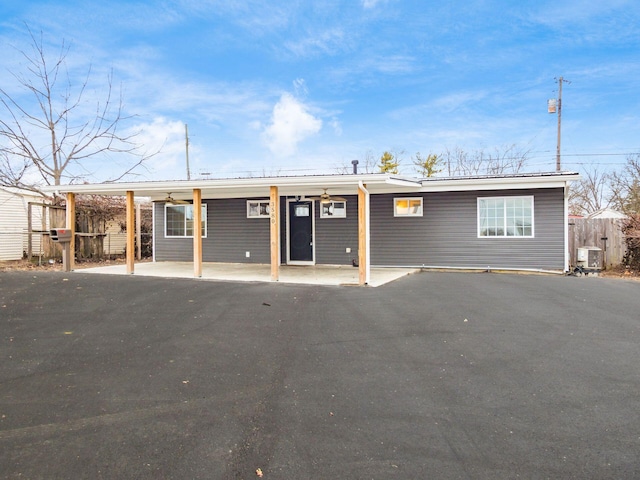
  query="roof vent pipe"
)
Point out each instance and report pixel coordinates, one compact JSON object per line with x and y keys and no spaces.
{"x":355,"y":166}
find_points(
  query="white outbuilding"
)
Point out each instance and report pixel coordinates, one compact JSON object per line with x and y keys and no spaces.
{"x":14,"y":220}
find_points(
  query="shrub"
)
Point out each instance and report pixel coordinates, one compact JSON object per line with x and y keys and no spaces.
{"x":631,"y":231}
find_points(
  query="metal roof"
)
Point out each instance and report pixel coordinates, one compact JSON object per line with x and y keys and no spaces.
{"x":338,"y":184}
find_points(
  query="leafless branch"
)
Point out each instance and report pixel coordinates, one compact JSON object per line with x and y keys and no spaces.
{"x":591,"y":193}
{"x":57,"y":113}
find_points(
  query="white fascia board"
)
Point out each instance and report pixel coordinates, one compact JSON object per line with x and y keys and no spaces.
{"x":498,"y":183}
{"x":229,"y":188}
{"x":313,"y":185}
{"x":404,"y":182}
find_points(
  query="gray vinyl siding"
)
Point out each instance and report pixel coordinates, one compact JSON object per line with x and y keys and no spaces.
{"x":164,"y":249}
{"x":230,"y":234}
{"x":446,"y":235}
{"x":334,"y":235}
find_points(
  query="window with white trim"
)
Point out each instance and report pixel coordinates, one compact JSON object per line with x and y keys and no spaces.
{"x":333,"y":210}
{"x":179,"y":220}
{"x":258,"y":209}
{"x":407,"y":207}
{"x":505,"y":216}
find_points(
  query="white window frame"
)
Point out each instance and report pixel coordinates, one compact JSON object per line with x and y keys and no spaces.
{"x":408,"y":214}
{"x":260,"y":203}
{"x":504,"y":226}
{"x":166,"y":223}
{"x":342,"y":213}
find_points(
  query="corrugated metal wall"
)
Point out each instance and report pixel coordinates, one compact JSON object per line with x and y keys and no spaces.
{"x":446,"y":235}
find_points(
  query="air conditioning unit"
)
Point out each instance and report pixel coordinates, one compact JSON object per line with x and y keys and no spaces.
{"x":590,"y":259}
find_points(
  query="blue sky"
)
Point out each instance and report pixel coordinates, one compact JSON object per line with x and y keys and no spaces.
{"x":303,"y":87}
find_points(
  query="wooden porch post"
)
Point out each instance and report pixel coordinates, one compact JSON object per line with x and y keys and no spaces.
{"x":131,"y":232}
{"x":363,"y":235}
{"x":197,"y":232}
{"x":71,"y":225}
{"x":274,"y":221}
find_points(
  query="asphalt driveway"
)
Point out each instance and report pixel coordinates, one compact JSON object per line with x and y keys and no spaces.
{"x":434,"y":376}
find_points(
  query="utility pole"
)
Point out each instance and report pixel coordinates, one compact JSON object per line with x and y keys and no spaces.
{"x":186,"y":144}
{"x":558,"y":163}
{"x":556,"y":107}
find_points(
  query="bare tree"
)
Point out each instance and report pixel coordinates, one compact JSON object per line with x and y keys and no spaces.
{"x":502,"y":160}
{"x":625,"y":186}
{"x":506,"y":159}
{"x":452,"y":159}
{"x":53,"y":140}
{"x":591,"y":193}
{"x":368,"y":164}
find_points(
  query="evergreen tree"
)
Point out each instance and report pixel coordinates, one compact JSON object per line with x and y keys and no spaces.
{"x":389,"y":163}
{"x":427,"y":166}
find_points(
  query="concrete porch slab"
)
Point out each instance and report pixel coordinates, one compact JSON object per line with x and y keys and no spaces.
{"x":242,"y":272}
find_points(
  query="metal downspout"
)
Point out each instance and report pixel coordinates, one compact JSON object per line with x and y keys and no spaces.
{"x":567,"y":256}
{"x":153,"y":232}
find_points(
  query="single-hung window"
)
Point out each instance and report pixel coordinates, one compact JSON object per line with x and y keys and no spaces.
{"x":258,"y":209}
{"x":407,"y":207}
{"x":333,"y":210}
{"x":179,"y":220}
{"x":505,"y":217}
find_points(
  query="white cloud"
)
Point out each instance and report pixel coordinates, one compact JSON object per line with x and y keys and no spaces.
{"x":456,"y":101}
{"x":326,"y":42}
{"x":336,"y":125}
{"x":291,"y":123}
{"x":166,"y":137}
{"x":300,"y":87}
{"x":370,"y":3}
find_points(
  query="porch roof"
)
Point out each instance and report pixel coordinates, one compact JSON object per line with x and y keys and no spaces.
{"x":249,"y":187}
{"x":339,"y":184}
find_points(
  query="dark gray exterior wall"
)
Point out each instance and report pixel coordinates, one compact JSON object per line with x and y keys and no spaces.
{"x":174,"y":249}
{"x":446,"y":235}
{"x":230,"y":234}
{"x":335,"y":235}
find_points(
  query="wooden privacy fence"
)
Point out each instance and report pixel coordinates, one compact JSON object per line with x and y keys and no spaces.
{"x":604,"y":233}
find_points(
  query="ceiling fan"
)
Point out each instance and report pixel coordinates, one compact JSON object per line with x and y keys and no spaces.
{"x":173,"y":201}
{"x":326,"y":198}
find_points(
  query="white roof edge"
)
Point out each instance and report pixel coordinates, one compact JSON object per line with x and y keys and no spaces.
{"x":404,"y":182}
{"x":542,"y":180}
{"x":222,"y":183}
{"x":150,"y":188}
